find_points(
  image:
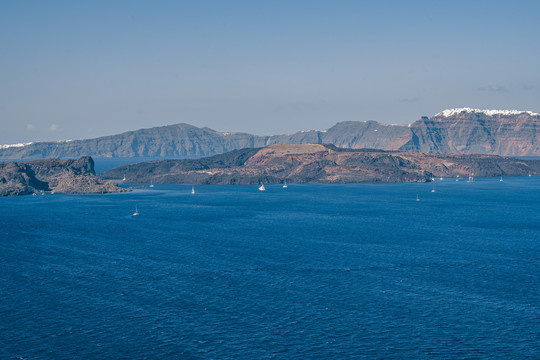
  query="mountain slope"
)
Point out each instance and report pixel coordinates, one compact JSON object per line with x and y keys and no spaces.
{"x":460,"y":131}
{"x":173,"y":141}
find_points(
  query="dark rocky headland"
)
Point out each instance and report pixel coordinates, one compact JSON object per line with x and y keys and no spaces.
{"x":317,"y":163}
{"x":53,"y":175}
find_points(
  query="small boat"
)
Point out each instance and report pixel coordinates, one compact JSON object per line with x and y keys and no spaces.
{"x":433,"y":190}
{"x":285,"y":184}
{"x":501,"y":179}
{"x":457,"y":177}
{"x":417,"y":198}
{"x":471,"y":179}
{"x":440,"y":178}
{"x":124,"y":178}
{"x":262,"y":188}
{"x":151,"y":184}
{"x":136,"y":211}
{"x":529,"y":173}
{"x":193,"y":189}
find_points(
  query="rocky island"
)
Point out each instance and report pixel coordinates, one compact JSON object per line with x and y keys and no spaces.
{"x":318,"y":163}
{"x":53,"y":175}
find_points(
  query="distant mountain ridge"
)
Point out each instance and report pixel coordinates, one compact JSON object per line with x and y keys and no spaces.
{"x":460,"y":131}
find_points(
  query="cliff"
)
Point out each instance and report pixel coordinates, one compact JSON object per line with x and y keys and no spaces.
{"x":61,"y":176}
{"x":459,"y":131}
{"x":316,"y":163}
{"x":180,"y":140}
{"x":473,"y":131}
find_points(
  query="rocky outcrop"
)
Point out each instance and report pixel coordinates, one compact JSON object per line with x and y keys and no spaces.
{"x":54,"y":175}
{"x":316,"y":163}
{"x":459,"y":131}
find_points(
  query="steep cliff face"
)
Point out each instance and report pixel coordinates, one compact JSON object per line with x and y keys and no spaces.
{"x":63,"y":176}
{"x":316,"y":163}
{"x":183,"y":140}
{"x":473,"y":131}
{"x":167,"y":141}
{"x":460,"y":131}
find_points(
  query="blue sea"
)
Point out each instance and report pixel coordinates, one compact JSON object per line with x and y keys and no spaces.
{"x":308,"y":272}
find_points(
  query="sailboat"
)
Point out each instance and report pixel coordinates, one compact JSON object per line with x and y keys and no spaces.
{"x":262,"y":188}
{"x":529,"y":173}
{"x":193,"y":189}
{"x":417,"y":198}
{"x":471,"y":178}
{"x":285,"y":184}
{"x":136,"y":211}
{"x":124,"y":179}
{"x":151,"y":183}
{"x":433,"y":190}
{"x":501,"y":179}
{"x":457,"y":177}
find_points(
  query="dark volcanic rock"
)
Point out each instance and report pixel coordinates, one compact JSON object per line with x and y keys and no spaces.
{"x":64,"y":176}
{"x":317,"y":163}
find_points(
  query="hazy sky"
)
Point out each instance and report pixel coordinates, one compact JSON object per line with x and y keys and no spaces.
{"x":73,"y":69}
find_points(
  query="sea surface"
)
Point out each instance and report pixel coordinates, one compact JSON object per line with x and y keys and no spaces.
{"x":307,"y":272}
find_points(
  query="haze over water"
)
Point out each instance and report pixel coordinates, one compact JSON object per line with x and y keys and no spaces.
{"x":312,"y":271}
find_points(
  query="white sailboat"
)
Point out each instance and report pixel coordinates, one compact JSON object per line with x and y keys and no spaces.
{"x":124,"y":179}
{"x":501,"y":179}
{"x":529,"y":173}
{"x":193,"y":189}
{"x":433,"y":190}
{"x":151,"y":183}
{"x":417,"y":198}
{"x":262,"y":188}
{"x":136,"y":211}
{"x":285,"y":184}
{"x":471,"y":179}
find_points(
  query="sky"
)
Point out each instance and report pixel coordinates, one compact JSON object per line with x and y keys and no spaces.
{"x":74,"y":70}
